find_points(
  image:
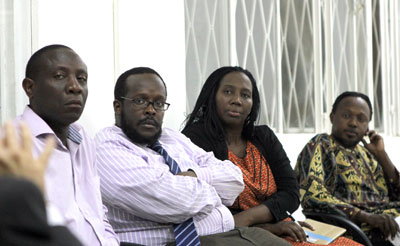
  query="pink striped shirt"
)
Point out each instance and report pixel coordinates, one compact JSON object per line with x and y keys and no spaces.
{"x":144,"y":198}
{"x":72,"y":182}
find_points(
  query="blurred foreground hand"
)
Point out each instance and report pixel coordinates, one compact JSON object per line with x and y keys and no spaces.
{"x":16,"y":157}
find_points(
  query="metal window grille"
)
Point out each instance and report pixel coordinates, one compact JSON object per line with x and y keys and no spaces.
{"x":302,"y":54}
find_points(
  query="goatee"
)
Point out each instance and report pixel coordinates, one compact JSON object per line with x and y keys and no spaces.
{"x":135,"y":136}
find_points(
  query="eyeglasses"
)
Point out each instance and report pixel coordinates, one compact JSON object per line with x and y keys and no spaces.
{"x":141,"y":103}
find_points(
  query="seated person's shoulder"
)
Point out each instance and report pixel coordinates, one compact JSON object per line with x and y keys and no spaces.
{"x":112,"y":140}
{"x":171,"y":136}
{"x":262,"y":128}
{"x":110,"y":134}
{"x":263,"y":132}
{"x":321,"y":139}
{"x":170,"y":131}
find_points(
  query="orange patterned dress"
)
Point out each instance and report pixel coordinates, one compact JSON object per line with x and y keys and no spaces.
{"x":260,"y":184}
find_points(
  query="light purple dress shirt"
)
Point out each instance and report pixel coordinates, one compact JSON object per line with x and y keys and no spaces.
{"x":72,"y":182}
{"x":144,"y":198}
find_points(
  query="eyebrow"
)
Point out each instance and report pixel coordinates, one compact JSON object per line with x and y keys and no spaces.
{"x":352,"y":112}
{"x":143,"y":95}
{"x":230,"y":85}
{"x":64,"y":68}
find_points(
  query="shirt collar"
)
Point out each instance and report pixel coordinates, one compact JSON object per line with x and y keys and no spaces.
{"x":334,"y":145}
{"x":39,"y":127}
{"x":74,"y":135}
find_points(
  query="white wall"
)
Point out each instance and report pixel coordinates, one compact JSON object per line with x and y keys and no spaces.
{"x":152,"y":33}
{"x":89,"y":32}
{"x":147,"y":33}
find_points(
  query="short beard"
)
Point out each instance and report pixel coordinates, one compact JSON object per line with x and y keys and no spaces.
{"x":347,"y":144}
{"x":351,"y":145}
{"x":135,"y":136}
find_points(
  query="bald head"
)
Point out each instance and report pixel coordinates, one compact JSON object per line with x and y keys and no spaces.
{"x":37,"y":61}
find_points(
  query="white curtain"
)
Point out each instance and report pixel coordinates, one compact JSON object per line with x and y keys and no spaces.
{"x":15,"y":50}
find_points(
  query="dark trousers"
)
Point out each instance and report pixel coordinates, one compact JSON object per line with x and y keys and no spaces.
{"x":240,"y":236}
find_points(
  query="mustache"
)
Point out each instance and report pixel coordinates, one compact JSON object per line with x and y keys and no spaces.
{"x":351,"y":131}
{"x":149,"y":120}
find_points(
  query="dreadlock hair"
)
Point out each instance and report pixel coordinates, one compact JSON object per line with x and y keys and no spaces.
{"x":120,"y":85}
{"x":34,"y":63}
{"x":352,"y":94}
{"x":205,"y":107}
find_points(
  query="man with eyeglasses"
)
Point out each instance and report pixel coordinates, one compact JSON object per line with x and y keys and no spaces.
{"x":160,"y":188}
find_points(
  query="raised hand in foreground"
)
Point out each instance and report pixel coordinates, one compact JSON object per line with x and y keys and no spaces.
{"x":16,"y":157}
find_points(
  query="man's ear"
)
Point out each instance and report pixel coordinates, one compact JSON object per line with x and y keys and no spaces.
{"x":117,"y":107}
{"x":331,"y":117}
{"x":28,"y":85}
{"x":117,"y":112}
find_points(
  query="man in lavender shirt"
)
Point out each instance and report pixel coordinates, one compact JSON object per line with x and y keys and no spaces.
{"x":56,"y":84}
{"x":144,"y":198}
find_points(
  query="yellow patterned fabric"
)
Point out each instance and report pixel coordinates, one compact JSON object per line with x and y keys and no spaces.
{"x":334,"y":179}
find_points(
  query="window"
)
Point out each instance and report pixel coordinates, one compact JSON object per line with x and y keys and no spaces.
{"x":302,"y":54}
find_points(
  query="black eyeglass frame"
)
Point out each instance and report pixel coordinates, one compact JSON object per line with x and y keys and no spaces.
{"x":147,"y":103}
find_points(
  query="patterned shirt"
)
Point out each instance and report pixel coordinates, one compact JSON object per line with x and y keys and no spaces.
{"x":257,"y":176}
{"x":335,"y":179}
{"x":144,"y":198}
{"x":72,"y":182}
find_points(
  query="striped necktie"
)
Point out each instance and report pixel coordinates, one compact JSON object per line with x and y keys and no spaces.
{"x":185,"y":233}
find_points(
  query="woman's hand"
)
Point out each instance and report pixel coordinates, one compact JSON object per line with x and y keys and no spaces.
{"x":288,"y":229}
